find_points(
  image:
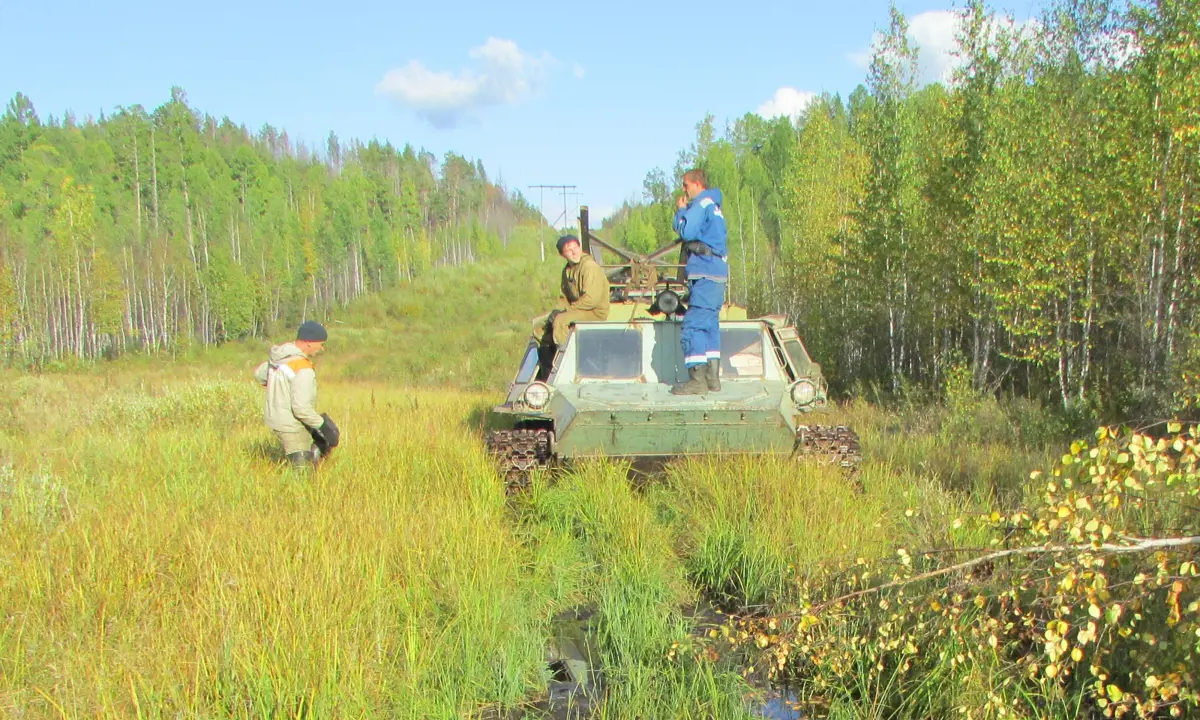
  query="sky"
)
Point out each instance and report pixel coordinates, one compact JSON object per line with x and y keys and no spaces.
{"x":590,"y":95}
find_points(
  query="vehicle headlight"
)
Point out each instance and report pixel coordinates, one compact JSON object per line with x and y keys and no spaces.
{"x":667,"y":301}
{"x":804,"y":392}
{"x":536,"y":395}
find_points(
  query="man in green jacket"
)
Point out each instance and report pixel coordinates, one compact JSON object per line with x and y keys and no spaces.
{"x":291,"y":402}
{"x":585,"y":296}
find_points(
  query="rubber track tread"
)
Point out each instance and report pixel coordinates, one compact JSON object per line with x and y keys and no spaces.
{"x":518,"y":452}
{"x":830,"y":445}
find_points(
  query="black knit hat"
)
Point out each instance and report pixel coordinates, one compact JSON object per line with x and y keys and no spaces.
{"x":562,"y":242}
{"x":312,"y":331}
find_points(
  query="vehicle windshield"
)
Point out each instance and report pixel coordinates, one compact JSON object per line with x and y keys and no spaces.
{"x":799,"y":358}
{"x":610,"y":353}
{"x":528,"y":365}
{"x":742,"y":352}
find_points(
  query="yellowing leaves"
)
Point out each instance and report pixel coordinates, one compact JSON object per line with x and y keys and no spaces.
{"x":1068,"y":600}
{"x":1113,"y":613}
{"x":1087,"y":634}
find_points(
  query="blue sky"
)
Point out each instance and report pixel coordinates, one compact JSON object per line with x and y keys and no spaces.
{"x":593,"y":95}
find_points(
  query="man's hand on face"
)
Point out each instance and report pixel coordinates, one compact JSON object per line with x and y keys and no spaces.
{"x":680,"y":202}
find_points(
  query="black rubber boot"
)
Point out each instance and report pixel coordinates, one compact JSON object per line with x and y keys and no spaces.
{"x":545,"y":361}
{"x":714,"y":375}
{"x":301,"y":459}
{"x":698,"y":385}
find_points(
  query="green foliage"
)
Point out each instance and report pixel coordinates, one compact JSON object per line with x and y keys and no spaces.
{"x":1086,"y":598}
{"x":969,"y":414}
{"x":150,"y":230}
{"x":1034,"y":218}
{"x":446,"y":328}
{"x":433,"y":594}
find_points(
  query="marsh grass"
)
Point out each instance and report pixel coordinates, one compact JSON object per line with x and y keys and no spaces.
{"x":750,"y":526}
{"x":623,"y":563}
{"x":182,"y":571}
{"x":463,"y":329}
{"x":159,"y":559}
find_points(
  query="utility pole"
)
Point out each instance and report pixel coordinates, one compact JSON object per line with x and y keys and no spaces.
{"x":574,"y":200}
{"x":541,"y":189}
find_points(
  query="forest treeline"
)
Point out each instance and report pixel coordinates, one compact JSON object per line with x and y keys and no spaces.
{"x":147,"y":230}
{"x":1033,"y":220}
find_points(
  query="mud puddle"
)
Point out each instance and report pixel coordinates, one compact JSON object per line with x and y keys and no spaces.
{"x":780,"y":704}
{"x":769,"y":700}
{"x":576,"y":686}
{"x":573,"y":656}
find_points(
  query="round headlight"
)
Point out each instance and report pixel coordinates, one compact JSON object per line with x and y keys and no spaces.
{"x":804,"y":392}
{"x":667,"y":301}
{"x":537,"y":395}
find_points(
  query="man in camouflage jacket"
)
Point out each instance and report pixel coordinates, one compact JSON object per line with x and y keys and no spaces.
{"x":585,"y":295}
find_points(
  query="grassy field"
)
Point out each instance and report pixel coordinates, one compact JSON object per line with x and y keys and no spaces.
{"x":157,"y":560}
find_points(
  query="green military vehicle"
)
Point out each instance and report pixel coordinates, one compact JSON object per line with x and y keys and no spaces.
{"x":608,"y":391}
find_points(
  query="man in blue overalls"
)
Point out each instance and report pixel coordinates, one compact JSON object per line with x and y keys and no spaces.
{"x":701,"y":227}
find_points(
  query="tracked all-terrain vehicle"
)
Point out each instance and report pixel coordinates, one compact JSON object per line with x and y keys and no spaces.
{"x":608,"y":391}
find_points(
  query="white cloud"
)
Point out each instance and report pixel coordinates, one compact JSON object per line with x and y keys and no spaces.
{"x":578,"y":70}
{"x":935,"y":33}
{"x":787,"y":101}
{"x":862,"y":58}
{"x":502,"y":74}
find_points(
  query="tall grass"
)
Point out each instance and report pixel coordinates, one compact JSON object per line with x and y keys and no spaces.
{"x":628,"y":570}
{"x":178,"y":569}
{"x":157,"y":558}
{"x":463,"y":329}
{"x":749,"y":527}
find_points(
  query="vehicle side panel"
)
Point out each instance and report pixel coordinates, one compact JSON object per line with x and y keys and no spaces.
{"x":674,"y":432}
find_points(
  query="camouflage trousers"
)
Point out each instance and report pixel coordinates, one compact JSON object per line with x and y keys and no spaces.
{"x":562,"y":324}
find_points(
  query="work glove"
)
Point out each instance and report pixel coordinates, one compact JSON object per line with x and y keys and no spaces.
{"x":319,"y":441}
{"x":329,"y":431}
{"x":553,"y":314}
{"x":325,"y":437}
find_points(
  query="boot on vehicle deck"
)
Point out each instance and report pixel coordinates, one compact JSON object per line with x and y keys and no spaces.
{"x":698,"y":385}
{"x":714,"y":375}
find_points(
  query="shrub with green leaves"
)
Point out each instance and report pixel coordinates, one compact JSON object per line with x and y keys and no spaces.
{"x":1087,"y":600}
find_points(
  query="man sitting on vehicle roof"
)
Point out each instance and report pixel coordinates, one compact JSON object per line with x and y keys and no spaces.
{"x":585,"y":292}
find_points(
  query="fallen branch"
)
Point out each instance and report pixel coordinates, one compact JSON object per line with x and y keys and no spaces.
{"x":1141,"y":545}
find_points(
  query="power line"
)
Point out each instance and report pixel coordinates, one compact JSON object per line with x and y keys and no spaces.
{"x":575,"y":199}
{"x":541,"y":189}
